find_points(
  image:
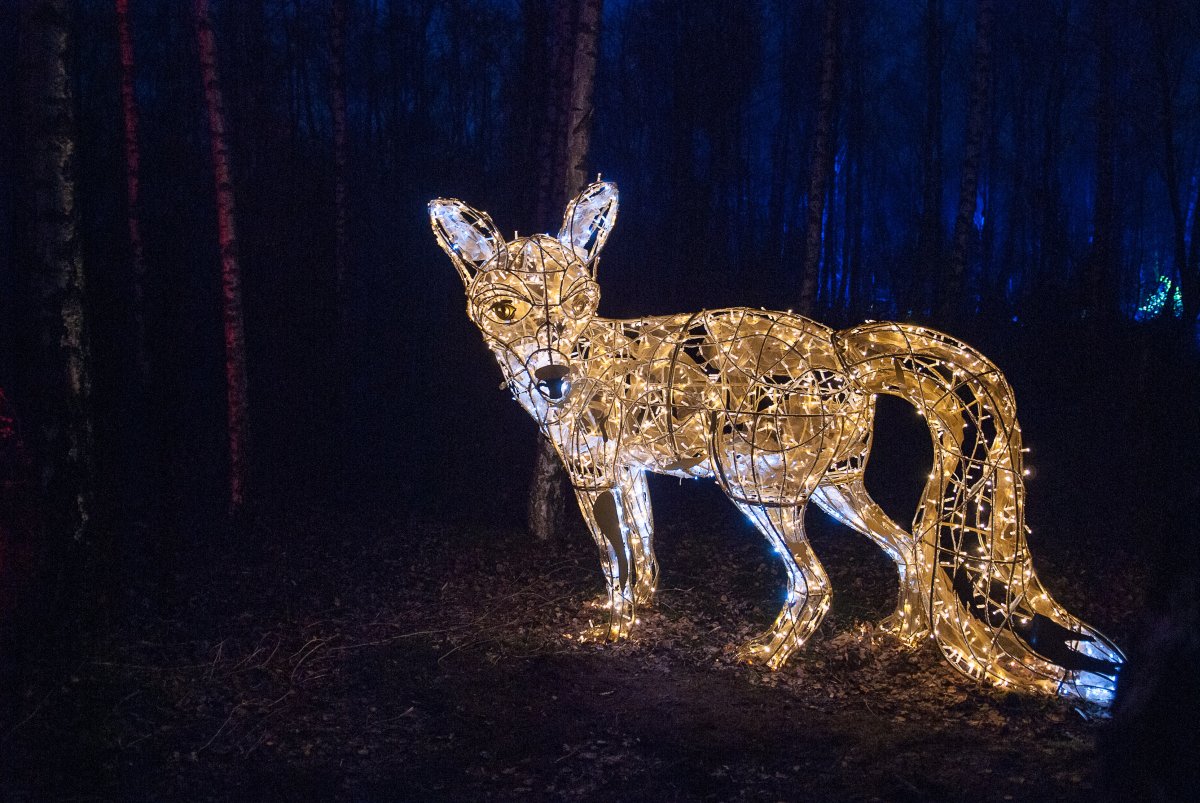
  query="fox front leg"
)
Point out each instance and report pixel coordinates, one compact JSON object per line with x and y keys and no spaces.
{"x":639,"y":530}
{"x":620,"y":523}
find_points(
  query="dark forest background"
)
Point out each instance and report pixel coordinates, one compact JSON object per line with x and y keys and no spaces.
{"x":1080,"y":259}
{"x":1085,"y":217}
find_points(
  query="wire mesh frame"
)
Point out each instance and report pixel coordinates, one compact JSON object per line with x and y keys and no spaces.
{"x":778,"y":410}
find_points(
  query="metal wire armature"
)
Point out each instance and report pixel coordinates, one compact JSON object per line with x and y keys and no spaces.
{"x":778,"y":409}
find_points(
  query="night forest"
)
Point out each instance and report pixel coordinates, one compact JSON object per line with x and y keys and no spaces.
{"x":272,"y":526}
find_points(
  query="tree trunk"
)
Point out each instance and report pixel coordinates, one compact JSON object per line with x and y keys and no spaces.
{"x":977,"y":115}
{"x":855,"y":148}
{"x":374,"y":124}
{"x":573,"y":137}
{"x":1100,"y":280}
{"x":59,"y":379}
{"x":553,"y":141}
{"x":1191,"y":303}
{"x":579,"y":112}
{"x":1052,"y":247}
{"x":306,"y":92}
{"x":1189,"y":284}
{"x":821,"y":158}
{"x":132,"y":186}
{"x":17,"y":516}
{"x":231,"y":280}
{"x":394,"y":132}
{"x":531,"y":103}
{"x":1014,"y":257}
{"x":341,"y":295}
{"x":337,"y":56}
{"x":341,"y":257}
{"x":781,"y":140}
{"x":929,"y":234}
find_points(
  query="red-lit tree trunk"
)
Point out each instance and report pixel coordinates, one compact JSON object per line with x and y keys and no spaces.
{"x":132,"y":187}
{"x":977,"y":113}
{"x":570,"y":118}
{"x":231,"y":281}
{"x":822,"y":157}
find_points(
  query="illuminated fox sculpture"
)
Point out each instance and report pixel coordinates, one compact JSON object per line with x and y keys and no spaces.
{"x":778,"y":410}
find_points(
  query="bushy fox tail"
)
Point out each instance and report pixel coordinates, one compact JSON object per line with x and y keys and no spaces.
{"x":987,"y":610}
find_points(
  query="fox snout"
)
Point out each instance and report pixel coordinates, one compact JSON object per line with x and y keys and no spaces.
{"x":553,"y":382}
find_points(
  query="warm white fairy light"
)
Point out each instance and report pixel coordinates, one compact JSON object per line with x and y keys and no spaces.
{"x":778,"y":409}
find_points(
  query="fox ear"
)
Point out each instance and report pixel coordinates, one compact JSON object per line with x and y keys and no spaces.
{"x":589,"y":219}
{"x":468,"y":236}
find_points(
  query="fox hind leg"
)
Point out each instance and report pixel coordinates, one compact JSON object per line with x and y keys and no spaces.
{"x":849,"y":503}
{"x":808,"y":594}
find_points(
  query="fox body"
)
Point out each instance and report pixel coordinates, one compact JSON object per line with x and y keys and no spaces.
{"x":778,"y":409}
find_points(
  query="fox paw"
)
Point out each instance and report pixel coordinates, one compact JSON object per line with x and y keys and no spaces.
{"x":643,"y":596}
{"x":763,"y":651}
{"x":606,"y":625}
{"x":605,"y":633}
{"x":904,"y":628}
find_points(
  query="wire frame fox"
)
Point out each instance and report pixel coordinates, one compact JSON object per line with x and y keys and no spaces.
{"x":778,"y":409}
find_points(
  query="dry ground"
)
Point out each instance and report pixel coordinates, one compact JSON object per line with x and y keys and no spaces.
{"x":381,"y":657}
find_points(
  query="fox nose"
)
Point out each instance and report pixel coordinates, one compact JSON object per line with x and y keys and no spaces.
{"x":553,"y":381}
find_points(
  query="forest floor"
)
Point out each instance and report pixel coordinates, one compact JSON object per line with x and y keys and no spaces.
{"x":381,"y":656}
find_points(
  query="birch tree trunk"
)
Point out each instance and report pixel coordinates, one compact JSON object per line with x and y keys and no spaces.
{"x":572,"y":135}
{"x":59,"y":380}
{"x":137,"y":256}
{"x":821,"y":157}
{"x":977,"y":115}
{"x":231,"y":281}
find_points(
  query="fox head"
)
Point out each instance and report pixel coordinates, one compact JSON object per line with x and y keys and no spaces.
{"x":534,"y":297}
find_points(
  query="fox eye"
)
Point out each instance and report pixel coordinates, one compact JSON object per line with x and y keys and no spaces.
{"x":504,"y":310}
{"x":580,"y":303}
